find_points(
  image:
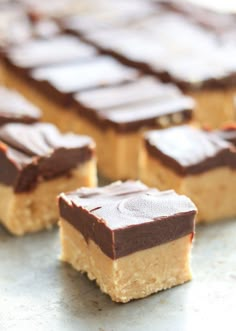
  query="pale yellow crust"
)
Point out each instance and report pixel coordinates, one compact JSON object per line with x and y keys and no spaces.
{"x":133,"y":276}
{"x":1,"y":73}
{"x":212,"y":191}
{"x":37,"y":209}
{"x":117,"y":152}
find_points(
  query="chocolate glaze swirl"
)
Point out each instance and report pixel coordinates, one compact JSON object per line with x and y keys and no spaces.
{"x":123,"y":218}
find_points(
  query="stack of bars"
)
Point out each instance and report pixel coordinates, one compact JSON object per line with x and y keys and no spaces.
{"x":109,"y":85}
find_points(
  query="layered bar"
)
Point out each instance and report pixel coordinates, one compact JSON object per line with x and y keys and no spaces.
{"x":194,"y":162}
{"x":117,"y":116}
{"x":209,"y":76}
{"x":50,"y":80}
{"x":15,"y":108}
{"x":37,"y":163}
{"x":132,"y":240}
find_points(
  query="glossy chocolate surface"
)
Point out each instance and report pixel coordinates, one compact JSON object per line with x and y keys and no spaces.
{"x":15,"y":26}
{"x":15,"y":108}
{"x":107,"y":14}
{"x":31,"y":153}
{"x":123,"y":218}
{"x":60,"y":82}
{"x":130,"y":107}
{"x":188,"y":150}
{"x":41,"y":52}
{"x":179,"y":60}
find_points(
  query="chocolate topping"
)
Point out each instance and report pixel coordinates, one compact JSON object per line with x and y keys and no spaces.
{"x":145,"y":102}
{"x":107,"y":14}
{"x":41,"y":52}
{"x":214,"y":21}
{"x":30,"y":153}
{"x":123,"y":218}
{"x":15,"y":108}
{"x":15,"y":26}
{"x":45,"y":29}
{"x":178,"y":60}
{"x":188,"y":150}
{"x":72,"y":77}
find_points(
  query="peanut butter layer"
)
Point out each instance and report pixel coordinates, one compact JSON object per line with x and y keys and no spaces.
{"x":123,"y":218}
{"x":15,"y":108}
{"x":145,"y":102}
{"x":188,"y":150}
{"x":32,"y":153}
{"x":35,"y":210}
{"x":134,"y":276}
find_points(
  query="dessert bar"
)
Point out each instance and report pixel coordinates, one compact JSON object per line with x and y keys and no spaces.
{"x":37,"y":163}
{"x":117,"y":116}
{"x":194,"y":162}
{"x":134,"y":241}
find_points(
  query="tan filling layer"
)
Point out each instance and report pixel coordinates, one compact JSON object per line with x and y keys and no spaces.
{"x":213,"y":191}
{"x":1,"y":73}
{"x":131,"y":277}
{"x":117,"y":153}
{"x":65,"y":118}
{"x":215,"y":107}
{"x":32,"y":211}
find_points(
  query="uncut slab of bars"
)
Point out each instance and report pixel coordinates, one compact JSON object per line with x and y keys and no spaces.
{"x":95,"y":95}
{"x":194,"y":162}
{"x":37,"y":163}
{"x":201,"y":61}
{"x":134,"y":241}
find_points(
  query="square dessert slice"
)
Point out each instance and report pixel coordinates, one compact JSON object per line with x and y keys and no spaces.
{"x":209,"y":76}
{"x":194,"y":162}
{"x":134,"y":241}
{"x":15,"y":108}
{"x":116,"y":117}
{"x":51,"y":86}
{"x":37,"y":163}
